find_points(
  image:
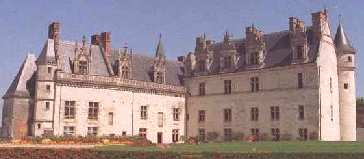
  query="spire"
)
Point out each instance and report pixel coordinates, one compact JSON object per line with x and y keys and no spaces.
{"x":341,"y":39}
{"x":160,"y":50}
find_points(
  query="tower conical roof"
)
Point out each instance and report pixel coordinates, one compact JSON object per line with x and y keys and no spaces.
{"x":160,"y":50}
{"x":342,"y":41}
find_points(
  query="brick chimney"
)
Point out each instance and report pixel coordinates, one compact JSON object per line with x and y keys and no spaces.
{"x":105,"y":40}
{"x":53,"y":33}
{"x":318,"y":21}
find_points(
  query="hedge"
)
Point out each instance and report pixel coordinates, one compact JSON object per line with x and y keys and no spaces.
{"x":20,"y":153}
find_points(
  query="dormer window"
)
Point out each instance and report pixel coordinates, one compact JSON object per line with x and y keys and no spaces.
{"x":159,"y":78}
{"x":82,"y":67}
{"x":227,"y":62}
{"x":300,"y":51}
{"x":125,"y":72}
{"x":254,"y":58}
{"x":201,"y":66}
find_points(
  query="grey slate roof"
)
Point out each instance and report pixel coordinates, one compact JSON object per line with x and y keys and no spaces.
{"x":278,"y":50}
{"x":141,"y":64}
{"x":20,"y":87}
{"x":342,"y":41}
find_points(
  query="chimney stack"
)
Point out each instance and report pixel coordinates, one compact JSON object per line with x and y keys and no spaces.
{"x":105,"y":40}
{"x":95,"y":39}
{"x":53,"y":33}
{"x":318,"y":20}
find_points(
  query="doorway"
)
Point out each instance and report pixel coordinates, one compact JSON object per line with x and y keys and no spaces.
{"x":159,"y":137}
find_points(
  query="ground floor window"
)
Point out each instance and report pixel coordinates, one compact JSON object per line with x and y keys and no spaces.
{"x":143,"y":132}
{"x":227,"y":134}
{"x":201,"y":134}
{"x":302,"y":132}
{"x":92,"y":131}
{"x":255,"y":132}
{"x":175,"y":135}
{"x":69,"y":131}
{"x":276,"y":134}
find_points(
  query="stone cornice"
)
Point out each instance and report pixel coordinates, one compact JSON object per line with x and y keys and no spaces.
{"x":116,"y":82}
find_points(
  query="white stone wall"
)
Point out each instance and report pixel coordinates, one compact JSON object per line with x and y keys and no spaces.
{"x":278,"y":87}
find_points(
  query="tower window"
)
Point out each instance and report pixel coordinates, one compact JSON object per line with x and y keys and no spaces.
{"x":254,"y":58}
{"x":47,"y":105}
{"x":300,"y":80}
{"x":159,"y":78}
{"x":48,"y":87}
{"x":125,"y":72}
{"x":350,"y":59}
{"x":346,"y":85}
{"x":300,"y":51}
{"x":83,"y":67}
{"x":39,"y":126}
{"x":49,"y":69}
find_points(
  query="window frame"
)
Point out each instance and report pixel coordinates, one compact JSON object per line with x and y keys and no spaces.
{"x":227,"y":86}
{"x":70,"y":109}
{"x":93,"y":110}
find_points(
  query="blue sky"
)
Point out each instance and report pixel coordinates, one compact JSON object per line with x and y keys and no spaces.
{"x":23,"y":24}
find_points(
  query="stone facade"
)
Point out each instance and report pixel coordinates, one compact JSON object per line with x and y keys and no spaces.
{"x":293,"y":84}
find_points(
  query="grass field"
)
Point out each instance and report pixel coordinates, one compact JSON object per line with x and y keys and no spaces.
{"x":244,"y":147}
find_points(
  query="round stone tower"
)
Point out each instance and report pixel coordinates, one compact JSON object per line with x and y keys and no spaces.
{"x":346,"y":73}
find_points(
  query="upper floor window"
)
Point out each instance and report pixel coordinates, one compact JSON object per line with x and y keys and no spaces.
{"x":227,"y":115}
{"x":300,"y":80}
{"x":350,"y":59}
{"x":202,"y":89}
{"x":143,"y":112}
{"x":227,"y":86}
{"x":346,"y":85}
{"x":125,"y":72}
{"x":274,"y":111}
{"x":201,"y":66}
{"x":254,"y":114}
{"x":201,"y":134}
{"x":300,"y":51}
{"x":82,"y":67}
{"x":176,"y":114}
{"x":201,"y":116}
{"x":301,"y":112}
{"x":69,"y":110}
{"x":47,"y":105}
{"x":254,"y":84}
{"x":227,"y":62}
{"x":49,"y":69}
{"x":48,"y":88}
{"x":254,"y":58}
{"x":160,"y":119}
{"x":93,"y":110}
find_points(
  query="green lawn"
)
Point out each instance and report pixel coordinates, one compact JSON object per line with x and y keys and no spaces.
{"x":244,"y":147}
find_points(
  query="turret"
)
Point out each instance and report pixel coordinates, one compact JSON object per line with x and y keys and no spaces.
{"x":159,"y":68}
{"x":346,"y":71}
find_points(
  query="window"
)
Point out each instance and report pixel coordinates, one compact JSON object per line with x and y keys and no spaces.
{"x":82,"y":67}
{"x":300,"y":80}
{"x":143,"y":132}
{"x":69,"y":110}
{"x":48,"y":87}
{"x":330,"y":84}
{"x":111,"y":118}
{"x":91,"y":131}
{"x":175,"y":135}
{"x":274,"y":111}
{"x":160,"y":119}
{"x":301,"y":112}
{"x":346,"y":85}
{"x":69,"y":131}
{"x":332,"y":112}
{"x":202,"y":89}
{"x":39,"y":126}
{"x":276,"y":134}
{"x":300,"y":51}
{"x":255,"y":132}
{"x":302,"y":132}
{"x":123,"y":133}
{"x":125,"y":72}
{"x":254,"y":58}
{"x":143,"y":112}
{"x":227,"y":86}
{"x":47,"y":105}
{"x":227,"y":62}
{"x":176,"y":112}
{"x":93,"y":110}
{"x":254,"y":84}
{"x":227,"y":115}
{"x":227,"y":134}
{"x":201,"y":116}
{"x":254,"y":113}
{"x":201,"y":66}
{"x":159,"y":77}
{"x":201,"y":134}
{"x":49,"y":70}
{"x":350,"y":59}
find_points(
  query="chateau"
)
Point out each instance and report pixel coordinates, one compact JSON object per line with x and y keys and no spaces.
{"x":297,"y":83}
